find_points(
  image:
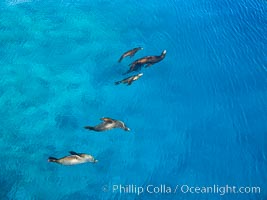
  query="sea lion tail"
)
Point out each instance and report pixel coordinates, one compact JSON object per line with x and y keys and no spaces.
{"x":120,"y":59}
{"x":95,"y":161}
{"x":89,"y":127}
{"x":117,"y":82}
{"x":52,"y":159}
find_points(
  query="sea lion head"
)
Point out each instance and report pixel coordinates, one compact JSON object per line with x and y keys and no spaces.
{"x":120,"y":124}
{"x":127,"y":129}
{"x":89,"y":158}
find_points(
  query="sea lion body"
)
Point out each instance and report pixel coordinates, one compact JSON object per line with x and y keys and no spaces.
{"x":130,"y":53}
{"x":108,"y":124}
{"x":130,"y":80}
{"x":73,"y":159}
{"x":147,"y":61}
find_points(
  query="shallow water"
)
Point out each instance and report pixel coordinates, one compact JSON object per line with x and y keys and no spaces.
{"x":197,"y":118}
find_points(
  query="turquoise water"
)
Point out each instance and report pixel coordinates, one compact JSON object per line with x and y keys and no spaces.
{"x":197,"y":118}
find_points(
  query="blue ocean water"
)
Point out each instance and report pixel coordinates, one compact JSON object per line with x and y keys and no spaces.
{"x":197,"y":118}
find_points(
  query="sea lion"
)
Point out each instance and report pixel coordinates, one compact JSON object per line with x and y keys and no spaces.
{"x":130,"y":79}
{"x":74,"y":159}
{"x":130,"y":53}
{"x":146,"y":61}
{"x":108,"y":124}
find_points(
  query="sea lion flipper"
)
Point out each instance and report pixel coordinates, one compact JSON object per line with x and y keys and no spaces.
{"x":106,"y":119}
{"x":130,"y":82}
{"x":74,"y":153}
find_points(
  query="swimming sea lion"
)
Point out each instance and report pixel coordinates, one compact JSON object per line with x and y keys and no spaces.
{"x":108,"y":124}
{"x":130,"y":79}
{"x":130,"y":53}
{"x":73,"y":159}
{"x":147,"y":61}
